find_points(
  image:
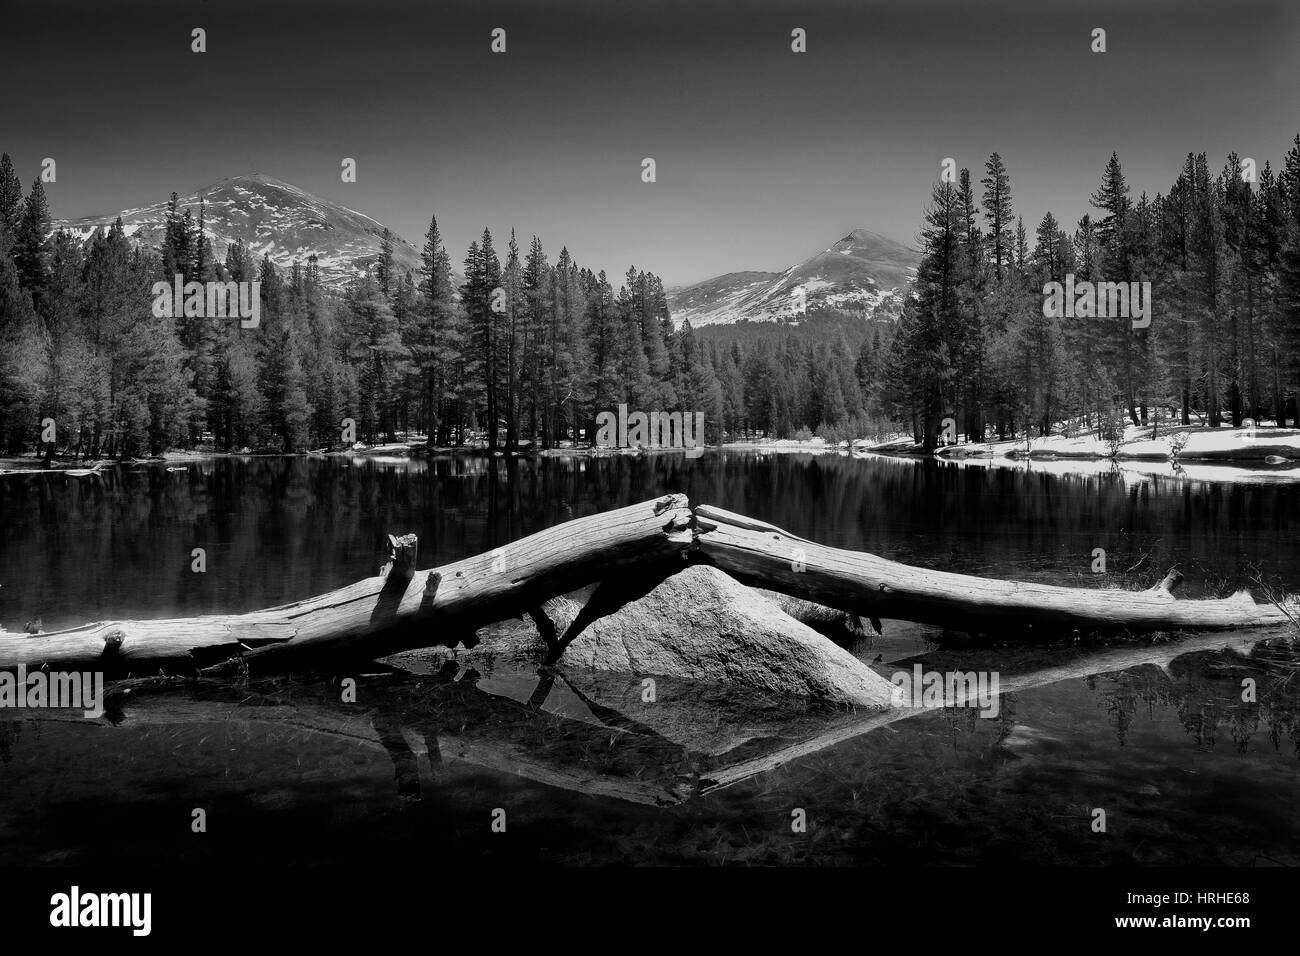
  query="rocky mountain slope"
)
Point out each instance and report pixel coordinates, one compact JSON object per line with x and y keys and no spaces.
{"x":863,"y":272}
{"x":271,"y":217}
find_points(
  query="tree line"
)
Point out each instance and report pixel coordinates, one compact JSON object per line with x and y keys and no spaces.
{"x":1222,"y":254}
{"x":521,"y":352}
{"x":525,"y":352}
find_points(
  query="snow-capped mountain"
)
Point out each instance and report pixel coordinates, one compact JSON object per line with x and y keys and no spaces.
{"x":270,"y":217}
{"x":864,"y":272}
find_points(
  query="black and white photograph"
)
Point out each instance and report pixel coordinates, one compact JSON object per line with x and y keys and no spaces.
{"x":447,"y":443}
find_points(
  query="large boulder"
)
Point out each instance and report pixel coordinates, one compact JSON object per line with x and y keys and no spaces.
{"x":703,"y":625}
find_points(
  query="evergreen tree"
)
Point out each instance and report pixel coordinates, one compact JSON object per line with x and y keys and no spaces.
{"x":11,"y":202}
{"x":31,"y":243}
{"x":384,"y":263}
{"x":996,"y":202}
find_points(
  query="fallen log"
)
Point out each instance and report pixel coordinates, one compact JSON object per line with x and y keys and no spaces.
{"x":403,"y":609}
{"x":763,"y":555}
{"x":400,"y":609}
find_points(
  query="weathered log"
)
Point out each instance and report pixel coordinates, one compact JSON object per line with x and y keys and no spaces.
{"x":385,"y":614}
{"x":403,"y":609}
{"x":762,"y":555}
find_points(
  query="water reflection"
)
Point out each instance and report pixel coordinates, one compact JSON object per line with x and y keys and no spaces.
{"x":1157,"y":733}
{"x":457,"y":737}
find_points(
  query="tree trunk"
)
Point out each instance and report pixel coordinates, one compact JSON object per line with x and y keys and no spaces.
{"x":402,"y":609}
{"x":762,"y":555}
{"x":397,"y":610}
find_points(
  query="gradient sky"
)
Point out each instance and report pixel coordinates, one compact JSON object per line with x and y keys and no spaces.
{"x":764,"y":156}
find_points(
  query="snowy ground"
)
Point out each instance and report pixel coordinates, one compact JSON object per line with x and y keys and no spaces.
{"x":1237,"y":444}
{"x":1225,"y":454}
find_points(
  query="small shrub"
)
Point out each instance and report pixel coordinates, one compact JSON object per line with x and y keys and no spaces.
{"x":1111,"y":431}
{"x":1177,"y":442}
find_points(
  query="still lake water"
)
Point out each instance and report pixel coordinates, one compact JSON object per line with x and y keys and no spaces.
{"x":1154,"y":734}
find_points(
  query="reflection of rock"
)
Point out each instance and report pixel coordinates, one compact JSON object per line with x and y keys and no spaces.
{"x":702,"y":625}
{"x":704,"y":718}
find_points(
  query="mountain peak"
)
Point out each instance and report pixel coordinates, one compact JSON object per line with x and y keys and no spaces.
{"x":873,"y":242}
{"x":272,"y":218}
{"x":254,"y":178}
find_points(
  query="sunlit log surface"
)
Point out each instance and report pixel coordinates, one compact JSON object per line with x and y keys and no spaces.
{"x":763,"y":555}
{"x":399,"y":609}
{"x":628,"y":551}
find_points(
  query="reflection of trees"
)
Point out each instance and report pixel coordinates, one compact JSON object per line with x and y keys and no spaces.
{"x":1006,"y":719}
{"x":117,"y":545}
{"x":1205,"y":690}
{"x":10,"y":731}
{"x":1125,"y":695}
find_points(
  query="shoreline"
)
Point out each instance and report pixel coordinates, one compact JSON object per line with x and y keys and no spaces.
{"x":1269,"y":452}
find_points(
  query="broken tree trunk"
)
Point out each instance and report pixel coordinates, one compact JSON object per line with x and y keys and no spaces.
{"x":763,"y":555}
{"x":400,"y":609}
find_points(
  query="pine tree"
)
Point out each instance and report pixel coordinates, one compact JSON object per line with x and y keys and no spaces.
{"x":996,"y":202}
{"x":384,"y":263}
{"x":379,"y":356}
{"x":565,"y":350}
{"x":11,"y":203}
{"x":31,"y":244}
{"x":437,"y":339}
{"x":1287,"y":292}
{"x":21,"y":353}
{"x":512,"y":283}
{"x":482,"y":278}
{"x":601,"y":330}
{"x":1112,"y":197}
{"x":633,"y":367}
{"x":539,"y":305}
{"x":920,"y":365}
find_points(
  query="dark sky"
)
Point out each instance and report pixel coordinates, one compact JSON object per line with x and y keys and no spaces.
{"x":764,"y":156}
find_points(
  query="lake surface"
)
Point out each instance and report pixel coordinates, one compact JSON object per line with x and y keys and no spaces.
{"x":1154,"y":734}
